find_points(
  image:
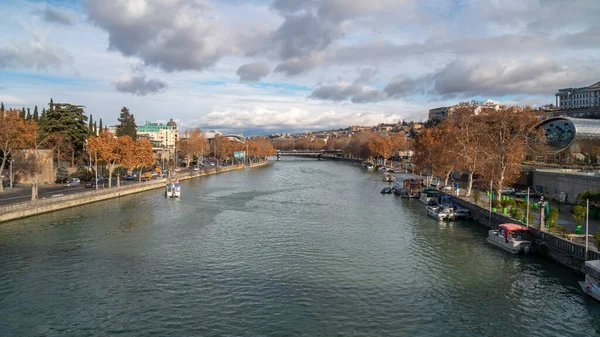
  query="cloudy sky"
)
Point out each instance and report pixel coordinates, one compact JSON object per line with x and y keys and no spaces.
{"x":262,"y":66}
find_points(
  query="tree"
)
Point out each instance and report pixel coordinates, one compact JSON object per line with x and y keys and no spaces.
{"x":91,"y":126}
{"x":579,"y":213}
{"x":100,"y":128}
{"x":434,"y":151}
{"x":33,"y":140}
{"x":1,"y":107}
{"x":95,"y":128}
{"x":127,"y":124}
{"x":13,"y":135}
{"x":22,"y":114}
{"x":467,"y":138}
{"x":28,"y":114}
{"x":379,"y":147}
{"x":66,"y":124}
{"x":143,"y":155}
{"x":506,"y":133}
{"x":106,"y":148}
{"x":36,"y":116}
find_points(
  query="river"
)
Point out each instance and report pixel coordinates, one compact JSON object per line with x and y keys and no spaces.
{"x":298,"y":248}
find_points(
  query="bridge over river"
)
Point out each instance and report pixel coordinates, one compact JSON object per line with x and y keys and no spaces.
{"x":310,"y":153}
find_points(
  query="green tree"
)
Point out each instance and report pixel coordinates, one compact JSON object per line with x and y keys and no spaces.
{"x":2,"y":107}
{"x":66,"y":126}
{"x":100,"y":127}
{"x":28,"y":115}
{"x":22,"y":114}
{"x":579,"y":213}
{"x":127,"y":126}
{"x":91,"y":125}
{"x":36,"y":116}
{"x":95,"y":128}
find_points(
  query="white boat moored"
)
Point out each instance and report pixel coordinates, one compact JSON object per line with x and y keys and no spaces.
{"x":440,"y":212}
{"x":173,"y":190}
{"x":591,"y":285}
{"x":511,"y":237}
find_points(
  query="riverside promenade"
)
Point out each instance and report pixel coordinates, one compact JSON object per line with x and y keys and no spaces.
{"x":31,"y":208}
{"x":568,"y":251}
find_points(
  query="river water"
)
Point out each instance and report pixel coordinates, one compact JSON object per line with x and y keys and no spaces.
{"x":298,"y":248}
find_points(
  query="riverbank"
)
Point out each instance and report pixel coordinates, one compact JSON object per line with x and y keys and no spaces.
{"x":553,"y":247}
{"x":31,"y":208}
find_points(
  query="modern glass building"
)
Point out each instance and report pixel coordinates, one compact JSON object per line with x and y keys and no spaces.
{"x":572,"y":135}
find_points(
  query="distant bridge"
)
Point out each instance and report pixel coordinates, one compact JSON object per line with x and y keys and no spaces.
{"x":310,"y":153}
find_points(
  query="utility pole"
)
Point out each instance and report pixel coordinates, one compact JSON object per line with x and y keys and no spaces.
{"x":11,"y":174}
{"x":527,"y":216}
{"x":96,"y":158}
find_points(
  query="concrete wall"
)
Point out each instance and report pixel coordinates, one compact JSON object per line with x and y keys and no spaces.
{"x":554,"y":183}
{"x":25,"y":209}
{"x":565,"y":252}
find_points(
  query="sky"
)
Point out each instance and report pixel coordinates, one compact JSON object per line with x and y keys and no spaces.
{"x":262,"y":66}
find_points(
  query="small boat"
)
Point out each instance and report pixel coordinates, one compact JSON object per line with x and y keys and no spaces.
{"x":461,"y":213}
{"x":411,"y":188}
{"x":173,"y":190}
{"x":387,"y":190}
{"x":511,"y":237}
{"x":428,"y":195}
{"x":440,"y":212}
{"x":370,"y":167}
{"x":591,"y":285}
{"x":388,"y":178}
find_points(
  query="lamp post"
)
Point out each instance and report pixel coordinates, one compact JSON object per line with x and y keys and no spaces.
{"x":11,"y":183}
{"x":96,"y":159}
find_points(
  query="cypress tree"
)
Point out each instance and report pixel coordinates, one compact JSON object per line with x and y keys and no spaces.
{"x":36,"y":116}
{"x":95,"y":128}
{"x":29,"y":114}
{"x":2,"y":107}
{"x":127,"y":124}
{"x":51,"y":104}
{"x":91,"y":124}
{"x":22,"y":113}
{"x":100,"y":128}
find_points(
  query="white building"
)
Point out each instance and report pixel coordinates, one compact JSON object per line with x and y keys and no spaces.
{"x":163,"y":137}
{"x":577,"y":98}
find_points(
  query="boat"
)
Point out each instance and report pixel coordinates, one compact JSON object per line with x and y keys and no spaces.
{"x":440,"y":212}
{"x":370,"y":167}
{"x":173,"y":190}
{"x":513,"y":238}
{"x":591,"y":285}
{"x":428,"y":195}
{"x":387,"y":190}
{"x":461,"y":213}
{"x":411,"y":188}
{"x":388,"y":178}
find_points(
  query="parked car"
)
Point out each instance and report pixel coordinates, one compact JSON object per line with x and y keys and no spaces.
{"x":129,"y":177}
{"x":92,"y":183}
{"x":508,"y":191}
{"x":146,"y":176}
{"x":73,"y":182}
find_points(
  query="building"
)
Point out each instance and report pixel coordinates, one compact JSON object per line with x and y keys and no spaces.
{"x":572,"y":135}
{"x":439,"y":114}
{"x":163,"y":137}
{"x":577,"y":98}
{"x":488,"y":105}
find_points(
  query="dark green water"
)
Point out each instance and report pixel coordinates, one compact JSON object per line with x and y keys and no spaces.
{"x":300,"y":248}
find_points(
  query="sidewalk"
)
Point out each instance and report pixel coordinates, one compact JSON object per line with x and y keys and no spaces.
{"x":565,"y":218}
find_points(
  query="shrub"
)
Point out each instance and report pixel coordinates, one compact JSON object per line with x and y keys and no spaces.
{"x":521,"y":204}
{"x":516,"y":213}
{"x":84,"y":174}
{"x":121,"y":171}
{"x":507,"y":203}
{"x":476,"y":196}
{"x":552,"y":217}
{"x":578,"y":214}
{"x":61,"y":175}
{"x":562,"y":231}
{"x":597,"y":239}
{"x":495,"y":203}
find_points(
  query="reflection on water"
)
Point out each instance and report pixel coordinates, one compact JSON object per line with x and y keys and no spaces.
{"x":302,"y":247}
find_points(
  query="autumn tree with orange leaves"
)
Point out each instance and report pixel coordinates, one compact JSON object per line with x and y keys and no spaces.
{"x":13,"y":135}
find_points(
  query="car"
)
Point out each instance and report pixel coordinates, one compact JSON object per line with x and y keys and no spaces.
{"x":507,"y":191}
{"x":92,"y":183}
{"x":129,"y":177}
{"x":72,"y":182}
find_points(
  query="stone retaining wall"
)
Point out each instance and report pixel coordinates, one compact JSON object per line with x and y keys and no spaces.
{"x":26,"y":209}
